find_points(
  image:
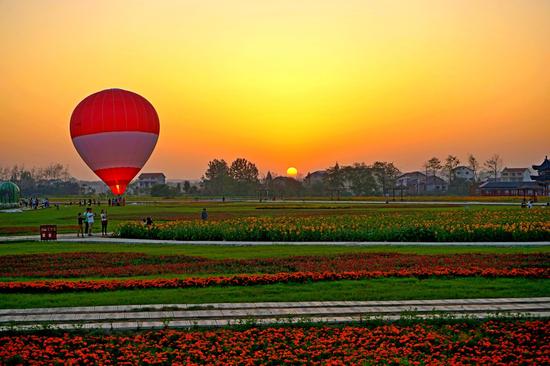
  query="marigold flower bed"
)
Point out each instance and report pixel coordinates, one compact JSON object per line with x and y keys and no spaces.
{"x":134,"y":264}
{"x":261,"y":279}
{"x":491,"y":342}
{"x":434,"y":225}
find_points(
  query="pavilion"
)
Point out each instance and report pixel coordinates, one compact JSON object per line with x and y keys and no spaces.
{"x":543,"y":177}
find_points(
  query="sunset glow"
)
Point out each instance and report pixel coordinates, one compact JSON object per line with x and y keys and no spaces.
{"x":312,"y":82}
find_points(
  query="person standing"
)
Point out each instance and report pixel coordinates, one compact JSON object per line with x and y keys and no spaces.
{"x":80,"y":219}
{"x":90,"y":216}
{"x":85,"y":218}
{"x":103,"y":223}
{"x":204,"y":215}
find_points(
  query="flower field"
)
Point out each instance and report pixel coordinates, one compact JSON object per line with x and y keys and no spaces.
{"x":74,"y":265}
{"x":54,"y":286}
{"x":491,"y":342}
{"x":437,"y":226}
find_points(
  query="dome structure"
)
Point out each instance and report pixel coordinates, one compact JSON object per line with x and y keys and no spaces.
{"x":9,"y":195}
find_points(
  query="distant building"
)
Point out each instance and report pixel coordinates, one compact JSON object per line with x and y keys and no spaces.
{"x":92,"y":187}
{"x":419,"y":183}
{"x":543,"y":176}
{"x":315,"y":177}
{"x":414,"y":182}
{"x":499,"y":188}
{"x":520,"y":182}
{"x":464,"y":173}
{"x":147,"y":180}
{"x":515,"y":175}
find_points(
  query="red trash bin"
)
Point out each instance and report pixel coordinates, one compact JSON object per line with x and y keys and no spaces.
{"x":48,"y":232}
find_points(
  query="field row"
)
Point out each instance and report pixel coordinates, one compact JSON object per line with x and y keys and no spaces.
{"x":461,"y":343}
{"x":78,"y":265}
{"x":434,"y":226}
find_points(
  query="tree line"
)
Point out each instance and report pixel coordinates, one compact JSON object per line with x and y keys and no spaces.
{"x":53,"y":179}
{"x":446,"y":168}
{"x":242,"y":178}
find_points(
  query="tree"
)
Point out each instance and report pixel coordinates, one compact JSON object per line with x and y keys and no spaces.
{"x":163,"y":190}
{"x":361,"y":178}
{"x":433,"y":165}
{"x":243,"y":170}
{"x":55,"y":171}
{"x":216,"y":179}
{"x":385,"y":174}
{"x":493,"y":165}
{"x":450,"y":164}
{"x":5,"y":173}
{"x":51,"y":180}
{"x":334,"y":179}
{"x":267,"y":183}
{"x":186,"y":186}
{"x":286,"y":187}
{"x":268,"y":180}
{"x":245,"y":174}
{"x":474,"y":165}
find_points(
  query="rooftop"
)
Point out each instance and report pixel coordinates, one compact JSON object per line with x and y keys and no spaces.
{"x":515,"y":170}
{"x":544,"y":166}
{"x":414,"y":174}
{"x":151,"y":175}
{"x":508,"y":185}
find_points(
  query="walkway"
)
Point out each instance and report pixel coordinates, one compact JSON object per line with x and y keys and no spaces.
{"x":129,"y":317}
{"x":398,"y":202}
{"x":71,"y":238}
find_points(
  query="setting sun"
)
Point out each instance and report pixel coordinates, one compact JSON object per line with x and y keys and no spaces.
{"x":292,"y":171}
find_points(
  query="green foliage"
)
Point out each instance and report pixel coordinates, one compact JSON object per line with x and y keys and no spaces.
{"x":164,"y":190}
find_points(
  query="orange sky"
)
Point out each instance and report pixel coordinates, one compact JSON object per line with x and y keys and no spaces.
{"x":283,"y":83}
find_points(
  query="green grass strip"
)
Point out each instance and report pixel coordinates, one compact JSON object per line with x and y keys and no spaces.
{"x":372,"y":289}
{"x":248,"y":252}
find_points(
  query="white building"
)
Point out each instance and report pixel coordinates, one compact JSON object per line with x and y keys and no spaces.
{"x":464,"y":173}
{"x":147,"y":180}
{"x":515,"y":175}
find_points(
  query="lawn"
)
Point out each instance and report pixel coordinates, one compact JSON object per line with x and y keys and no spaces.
{"x":248,"y":252}
{"x":372,"y":289}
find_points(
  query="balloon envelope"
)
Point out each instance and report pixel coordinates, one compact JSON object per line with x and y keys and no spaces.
{"x":115,"y":132}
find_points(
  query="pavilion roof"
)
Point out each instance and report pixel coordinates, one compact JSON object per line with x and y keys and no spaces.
{"x":544,"y":166}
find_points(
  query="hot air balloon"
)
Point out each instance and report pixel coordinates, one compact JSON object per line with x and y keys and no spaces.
{"x":115,"y":132}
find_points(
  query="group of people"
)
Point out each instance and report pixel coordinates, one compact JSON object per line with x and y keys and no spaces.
{"x":116,"y":201}
{"x":86,"y":222}
{"x":88,"y":202}
{"x":35,"y":203}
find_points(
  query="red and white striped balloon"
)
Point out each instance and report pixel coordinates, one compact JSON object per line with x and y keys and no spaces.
{"x":115,"y":132}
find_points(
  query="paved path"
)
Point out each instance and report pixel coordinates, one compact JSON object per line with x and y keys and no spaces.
{"x":223,"y":314}
{"x":397,"y":201}
{"x":71,"y":238}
